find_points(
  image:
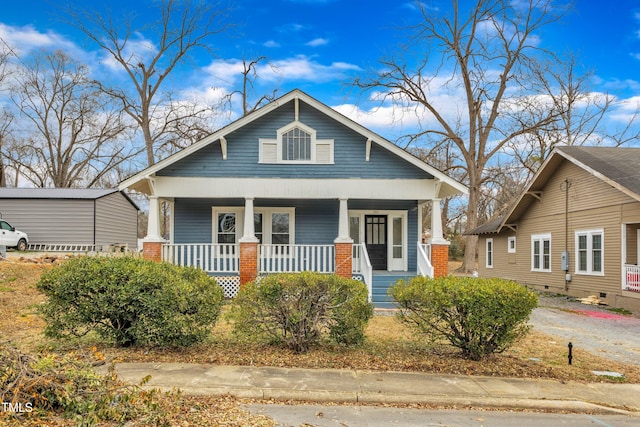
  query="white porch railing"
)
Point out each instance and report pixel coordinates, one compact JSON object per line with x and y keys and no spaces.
{"x":424,"y":260}
{"x":296,"y":258}
{"x":366,"y":269}
{"x":632,"y":278}
{"x":212,"y":258}
{"x":355,"y":259}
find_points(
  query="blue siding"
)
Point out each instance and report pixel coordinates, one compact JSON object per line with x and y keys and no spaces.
{"x":316,"y":220}
{"x":243,"y":147}
{"x":192,"y":221}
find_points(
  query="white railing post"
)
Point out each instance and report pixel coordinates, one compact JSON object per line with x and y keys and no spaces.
{"x":355,"y":262}
{"x":424,"y":263}
{"x":366,"y":269}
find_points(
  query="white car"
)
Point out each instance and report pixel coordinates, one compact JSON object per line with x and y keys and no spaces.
{"x":12,"y":238}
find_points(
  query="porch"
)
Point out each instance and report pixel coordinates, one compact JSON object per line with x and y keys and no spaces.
{"x":224,"y":261}
{"x":631,"y":257}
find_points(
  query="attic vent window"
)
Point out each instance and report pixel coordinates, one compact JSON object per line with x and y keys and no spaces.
{"x":296,"y":145}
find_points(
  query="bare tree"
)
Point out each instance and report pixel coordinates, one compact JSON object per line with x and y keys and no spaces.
{"x":182,"y":26}
{"x":70,"y":135}
{"x":249,"y":76}
{"x":582,"y":115}
{"x":5,"y":117}
{"x":480,"y":57}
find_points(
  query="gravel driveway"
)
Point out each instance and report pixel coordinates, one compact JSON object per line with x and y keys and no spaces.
{"x":590,"y":328}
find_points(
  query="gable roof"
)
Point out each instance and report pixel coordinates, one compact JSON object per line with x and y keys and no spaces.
{"x":60,"y":193}
{"x":617,"y":166}
{"x":448,"y":186}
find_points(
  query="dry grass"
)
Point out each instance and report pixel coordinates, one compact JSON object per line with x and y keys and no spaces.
{"x":389,"y":345}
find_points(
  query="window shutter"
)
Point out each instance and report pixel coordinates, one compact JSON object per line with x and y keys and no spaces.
{"x":323,"y":153}
{"x":269,"y":153}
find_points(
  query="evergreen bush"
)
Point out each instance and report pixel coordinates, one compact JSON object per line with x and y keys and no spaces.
{"x":130,"y":301}
{"x":478,"y":316}
{"x":298,"y":309}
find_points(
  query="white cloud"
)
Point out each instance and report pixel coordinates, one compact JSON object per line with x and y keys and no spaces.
{"x":317,"y":42}
{"x":271,"y":43}
{"x":291,"y":28}
{"x":626,"y":110}
{"x":298,"y":68}
{"x":26,"y":39}
{"x":303,"y":68}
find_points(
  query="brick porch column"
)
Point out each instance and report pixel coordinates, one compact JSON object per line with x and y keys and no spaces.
{"x":344,"y":260}
{"x":248,"y":262}
{"x":152,"y":250}
{"x":440,"y":259}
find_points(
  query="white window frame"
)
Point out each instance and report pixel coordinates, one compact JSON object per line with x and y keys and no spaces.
{"x":541,"y":238}
{"x":510,"y":239}
{"x":489,"y":253}
{"x":315,"y":142}
{"x":266,"y":212}
{"x":589,"y":235}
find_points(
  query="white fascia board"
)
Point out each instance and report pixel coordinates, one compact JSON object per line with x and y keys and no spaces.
{"x":289,"y":188}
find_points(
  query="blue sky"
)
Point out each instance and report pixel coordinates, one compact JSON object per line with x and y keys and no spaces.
{"x":317,"y":45}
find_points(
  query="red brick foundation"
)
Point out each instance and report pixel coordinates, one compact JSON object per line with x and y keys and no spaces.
{"x":248,"y":262}
{"x":440,"y":260}
{"x":152,"y":251}
{"x":344,"y":254}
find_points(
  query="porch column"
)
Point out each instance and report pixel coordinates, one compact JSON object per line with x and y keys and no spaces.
{"x":248,"y":246}
{"x":439,"y":246}
{"x":343,"y":243}
{"x":152,"y":243}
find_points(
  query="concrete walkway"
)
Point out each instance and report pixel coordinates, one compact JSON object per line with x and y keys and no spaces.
{"x":329,"y":385}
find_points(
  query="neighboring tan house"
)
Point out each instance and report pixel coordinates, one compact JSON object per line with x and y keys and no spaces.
{"x":297,"y":186}
{"x":71,"y":219}
{"x":575,"y":230}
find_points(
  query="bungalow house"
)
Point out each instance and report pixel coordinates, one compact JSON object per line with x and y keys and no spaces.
{"x":296,"y":186}
{"x":575,"y":230}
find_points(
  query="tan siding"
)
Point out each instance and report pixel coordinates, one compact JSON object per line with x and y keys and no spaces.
{"x":593,"y":204}
{"x":51,"y":220}
{"x":116,"y":221}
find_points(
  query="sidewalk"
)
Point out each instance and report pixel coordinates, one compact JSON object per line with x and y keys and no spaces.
{"x":329,"y":385}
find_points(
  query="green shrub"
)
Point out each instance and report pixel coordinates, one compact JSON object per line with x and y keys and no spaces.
{"x":130,"y":301}
{"x":478,"y":316}
{"x":298,"y":309}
